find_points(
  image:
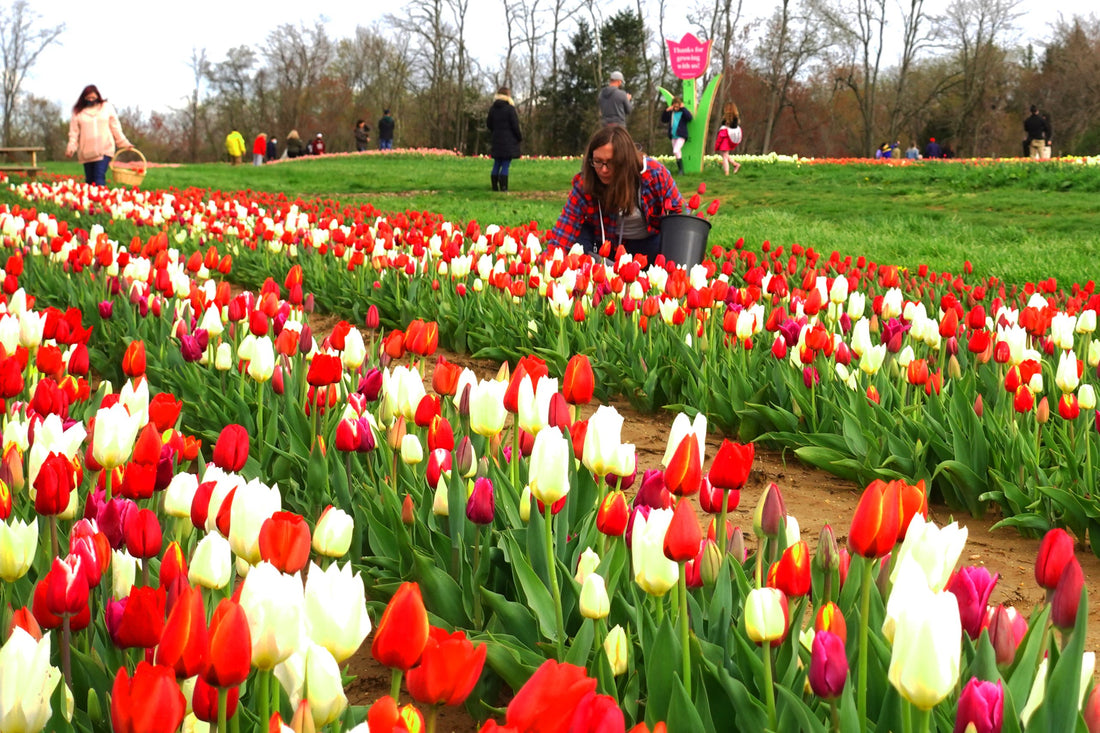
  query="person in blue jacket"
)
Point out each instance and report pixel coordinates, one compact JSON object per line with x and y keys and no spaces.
{"x":677,"y":117}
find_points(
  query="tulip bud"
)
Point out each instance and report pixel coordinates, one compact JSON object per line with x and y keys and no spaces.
{"x":972,"y":587}
{"x":768,"y":519}
{"x":617,"y":647}
{"x":1091,"y":710}
{"x":612,"y":516}
{"x":1067,"y":596}
{"x":710,"y":564}
{"x":828,"y":666}
{"x":466,"y":458}
{"x":1007,"y":628}
{"x":586,"y":565}
{"x":594,"y":603}
{"x":981,"y":706}
{"x":766,"y":615}
{"x":737,"y":545}
{"x":1042,"y":412}
{"x":525,"y":504}
{"x":408,"y":511}
{"x":827,"y":557}
{"x":1055,"y":552}
{"x":440,"y":507}
{"x":395,"y":436}
{"x":481,"y":505}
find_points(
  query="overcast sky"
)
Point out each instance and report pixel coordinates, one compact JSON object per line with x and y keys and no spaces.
{"x":141,"y":59}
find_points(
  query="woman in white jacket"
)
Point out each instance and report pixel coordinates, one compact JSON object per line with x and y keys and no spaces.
{"x":94,"y":134}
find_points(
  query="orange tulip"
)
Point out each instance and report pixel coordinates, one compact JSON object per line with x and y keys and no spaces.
{"x":684,"y":474}
{"x":185,"y":640}
{"x":285,"y":541}
{"x":229,"y":659}
{"x":875,"y":522}
{"x":579,"y":382}
{"x":402,"y":632}
{"x":684,"y":535}
{"x":133,"y":360}
{"x":792,"y":573}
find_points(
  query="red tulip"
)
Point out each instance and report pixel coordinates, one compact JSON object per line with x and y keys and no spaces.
{"x":143,"y":534}
{"x":792,"y":573}
{"x":875,"y":522}
{"x":151,"y":702}
{"x":133,"y":361}
{"x":695,"y":202}
{"x":684,"y":474}
{"x":1055,"y":552}
{"x":683,"y":537}
{"x":138,"y":480}
{"x":49,"y":620}
{"x":403,"y":630}
{"x":24,"y":619}
{"x":229,"y":659}
{"x":448,"y":670}
{"x":204,"y":701}
{"x":138,"y":619}
{"x":1067,"y":596}
{"x":1007,"y":628}
{"x":285,"y":541}
{"x":185,"y":640}
{"x":597,"y":714}
{"x":53,"y":485}
{"x":231,"y":450}
{"x":66,"y":587}
{"x":549,"y":698}
{"x":481,"y":505}
{"x":445,"y":377}
{"x":164,"y":410}
{"x":612,"y":516}
{"x":731,"y":466}
{"x":324,"y":369}
{"x":579,"y":381}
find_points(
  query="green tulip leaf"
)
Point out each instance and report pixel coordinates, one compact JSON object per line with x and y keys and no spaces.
{"x":1059,"y":709}
{"x":534,"y":591}
{"x":682,"y":715}
{"x":790,"y":707}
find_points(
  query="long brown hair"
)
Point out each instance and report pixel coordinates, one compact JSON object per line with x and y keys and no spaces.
{"x":82,"y":103}
{"x":621,"y":195}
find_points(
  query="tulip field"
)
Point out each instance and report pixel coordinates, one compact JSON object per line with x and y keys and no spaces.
{"x":209,"y":512}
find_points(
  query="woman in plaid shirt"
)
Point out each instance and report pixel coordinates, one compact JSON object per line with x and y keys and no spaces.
{"x":618,"y":197}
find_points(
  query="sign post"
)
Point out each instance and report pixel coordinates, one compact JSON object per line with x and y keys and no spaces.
{"x":690,"y":59}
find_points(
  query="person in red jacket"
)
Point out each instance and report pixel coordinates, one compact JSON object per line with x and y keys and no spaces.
{"x":259,"y":149}
{"x":619,"y":197}
{"x":318,"y":145}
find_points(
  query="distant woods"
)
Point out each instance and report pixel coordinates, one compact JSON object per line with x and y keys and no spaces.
{"x":815,"y":77}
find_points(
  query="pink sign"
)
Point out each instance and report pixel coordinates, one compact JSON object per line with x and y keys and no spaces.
{"x":690,"y":57}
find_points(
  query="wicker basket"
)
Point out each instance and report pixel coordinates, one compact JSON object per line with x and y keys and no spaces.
{"x":129,"y":173}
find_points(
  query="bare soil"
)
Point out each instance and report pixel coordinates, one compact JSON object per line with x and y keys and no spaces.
{"x":816,"y":499}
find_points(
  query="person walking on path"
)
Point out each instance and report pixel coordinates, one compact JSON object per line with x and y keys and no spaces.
{"x":729,"y":137}
{"x":234,"y":146}
{"x":94,"y":134}
{"x":259,"y":149}
{"x":385,"y":131}
{"x":677,"y":117}
{"x":362,"y":135}
{"x":1038,"y":132}
{"x":503,"y":124}
{"x":615,"y":104}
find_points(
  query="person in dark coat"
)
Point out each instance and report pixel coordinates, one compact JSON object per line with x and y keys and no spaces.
{"x":503,"y":123}
{"x":272,"y":149}
{"x":1038,"y":132}
{"x":385,"y":131}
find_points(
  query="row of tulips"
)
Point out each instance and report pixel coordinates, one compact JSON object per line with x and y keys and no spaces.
{"x":866,"y":370}
{"x":512,"y":581}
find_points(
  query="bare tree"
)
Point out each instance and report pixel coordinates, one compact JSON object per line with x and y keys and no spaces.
{"x":975,"y":29}
{"x":917,"y":34}
{"x":459,"y":8}
{"x":533,"y":36}
{"x":860,"y":27}
{"x":425,"y":23}
{"x":20,"y":46}
{"x":200,"y":67}
{"x":296,"y":62}
{"x":514,"y":15}
{"x":232,"y":83}
{"x":788,"y":45}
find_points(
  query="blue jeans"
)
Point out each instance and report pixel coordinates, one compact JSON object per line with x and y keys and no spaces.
{"x":96,"y":171}
{"x":650,"y":246}
{"x":500,"y":166}
{"x":385,"y":144}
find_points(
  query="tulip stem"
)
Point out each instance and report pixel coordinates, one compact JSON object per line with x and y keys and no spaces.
{"x":834,"y":714}
{"x":260,"y":423}
{"x":223,"y":709}
{"x":395,"y":684}
{"x":685,"y":631}
{"x":924,"y":720}
{"x":513,"y":464}
{"x":53,"y":534}
{"x":66,"y":642}
{"x":433,"y":715}
{"x":864,"y":610}
{"x":552,"y":573}
{"x":720,"y":530}
{"x":477,"y":575}
{"x":263,"y":687}
{"x":769,"y":688}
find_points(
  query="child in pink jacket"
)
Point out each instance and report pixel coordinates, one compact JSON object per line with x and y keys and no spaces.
{"x":94,"y":133}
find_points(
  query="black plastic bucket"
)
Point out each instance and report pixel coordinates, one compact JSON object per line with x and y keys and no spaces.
{"x":684,"y":239}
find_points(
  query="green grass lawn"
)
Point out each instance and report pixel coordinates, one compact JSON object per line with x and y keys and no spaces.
{"x":1019,"y":221}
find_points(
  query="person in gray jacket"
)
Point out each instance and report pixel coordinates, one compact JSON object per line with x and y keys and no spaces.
{"x":615,"y":104}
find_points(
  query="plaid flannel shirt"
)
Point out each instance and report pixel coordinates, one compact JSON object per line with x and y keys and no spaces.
{"x":659,"y":197}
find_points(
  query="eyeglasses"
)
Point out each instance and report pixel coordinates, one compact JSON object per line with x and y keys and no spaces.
{"x":600,"y":165}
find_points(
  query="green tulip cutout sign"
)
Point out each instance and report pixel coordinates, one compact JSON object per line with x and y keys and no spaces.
{"x":690,"y":59}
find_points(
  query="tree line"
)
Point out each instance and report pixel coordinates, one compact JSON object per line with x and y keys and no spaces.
{"x":815,"y":78}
